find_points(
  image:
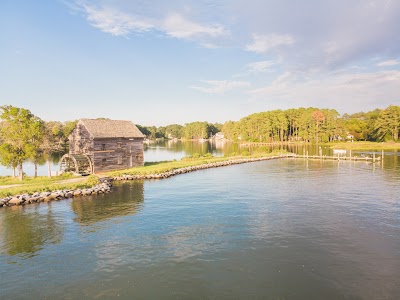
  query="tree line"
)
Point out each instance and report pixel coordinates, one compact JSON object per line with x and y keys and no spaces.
{"x":315,"y":125}
{"x":24,"y":136}
{"x":300,"y":124}
{"x":194,"y":130}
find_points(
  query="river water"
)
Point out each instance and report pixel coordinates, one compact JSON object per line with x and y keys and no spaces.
{"x":279,"y":229}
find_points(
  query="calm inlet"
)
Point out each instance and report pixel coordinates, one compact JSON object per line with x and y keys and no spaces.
{"x":280,"y":229}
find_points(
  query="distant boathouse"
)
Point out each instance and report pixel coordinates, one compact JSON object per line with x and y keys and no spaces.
{"x":97,"y":145}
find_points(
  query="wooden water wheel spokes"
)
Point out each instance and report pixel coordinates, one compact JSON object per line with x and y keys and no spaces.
{"x":76,"y":163}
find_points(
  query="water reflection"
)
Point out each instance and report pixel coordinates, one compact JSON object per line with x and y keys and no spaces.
{"x":24,"y":232}
{"x":126,"y":199}
{"x":268,"y":230}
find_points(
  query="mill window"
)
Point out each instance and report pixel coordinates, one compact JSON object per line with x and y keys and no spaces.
{"x":103,"y":161}
{"x":120,"y":160}
{"x":103,"y":147}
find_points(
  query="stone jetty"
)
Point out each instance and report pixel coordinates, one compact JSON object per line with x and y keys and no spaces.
{"x":102,"y":188}
{"x":106,"y":183}
{"x":194,"y":168}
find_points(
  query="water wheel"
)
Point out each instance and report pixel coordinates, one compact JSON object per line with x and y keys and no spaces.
{"x":76,"y":163}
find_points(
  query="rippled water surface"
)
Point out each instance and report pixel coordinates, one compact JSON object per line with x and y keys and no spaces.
{"x":281,"y":229}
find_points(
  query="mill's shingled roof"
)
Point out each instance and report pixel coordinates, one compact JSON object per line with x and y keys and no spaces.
{"x":104,"y":128}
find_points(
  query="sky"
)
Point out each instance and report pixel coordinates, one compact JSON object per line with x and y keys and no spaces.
{"x":162,"y":62}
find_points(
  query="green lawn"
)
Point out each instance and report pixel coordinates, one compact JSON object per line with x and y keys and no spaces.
{"x":166,"y":166}
{"x":8,"y":180}
{"x":32,"y":185}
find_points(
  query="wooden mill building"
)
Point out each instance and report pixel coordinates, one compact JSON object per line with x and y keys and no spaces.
{"x":97,"y":145}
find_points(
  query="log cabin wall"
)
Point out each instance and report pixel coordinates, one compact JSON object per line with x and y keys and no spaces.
{"x":80,"y":141}
{"x":117,"y":153}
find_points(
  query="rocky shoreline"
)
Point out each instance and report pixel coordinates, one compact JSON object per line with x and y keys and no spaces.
{"x":105,"y":185}
{"x":102,"y":188}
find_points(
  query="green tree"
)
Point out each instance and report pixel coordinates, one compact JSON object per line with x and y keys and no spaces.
{"x":318,"y":117}
{"x":174,"y":131}
{"x":36,"y":143}
{"x":144,"y":130}
{"x":388,"y":123}
{"x":20,"y":128}
{"x":67,"y":128}
{"x":197,"y":130}
{"x":8,"y":158}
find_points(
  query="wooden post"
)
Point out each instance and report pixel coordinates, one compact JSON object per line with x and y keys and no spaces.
{"x":373,"y":157}
{"x":350,"y":154}
{"x":307,"y":154}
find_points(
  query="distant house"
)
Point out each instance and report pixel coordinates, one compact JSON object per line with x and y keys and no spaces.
{"x":350,"y":136}
{"x":97,"y":145}
{"x":219,"y":136}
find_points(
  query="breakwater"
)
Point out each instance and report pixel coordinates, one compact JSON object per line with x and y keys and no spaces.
{"x":102,"y":188}
{"x":194,"y":168}
{"x":106,"y":183}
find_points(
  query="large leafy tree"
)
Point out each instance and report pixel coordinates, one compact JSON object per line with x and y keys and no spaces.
{"x":197,"y":130}
{"x":388,"y":122}
{"x":8,"y":158}
{"x":20,"y":132}
{"x":174,"y":131}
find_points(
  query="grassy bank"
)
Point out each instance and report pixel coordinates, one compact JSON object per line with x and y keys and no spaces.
{"x":31,"y":185}
{"x":167,"y":166}
{"x":8,"y":180}
{"x":363,"y":145}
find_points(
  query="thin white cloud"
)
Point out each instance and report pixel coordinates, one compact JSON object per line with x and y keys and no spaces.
{"x":264,"y":43}
{"x":220,"y":86}
{"x":389,"y":63}
{"x":260,"y":66}
{"x":113,"y":21}
{"x":109,"y":18}
{"x":177,"y":26}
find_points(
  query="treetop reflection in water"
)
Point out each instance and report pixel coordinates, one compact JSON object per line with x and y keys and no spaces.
{"x":25,"y":232}
{"x":126,"y":199}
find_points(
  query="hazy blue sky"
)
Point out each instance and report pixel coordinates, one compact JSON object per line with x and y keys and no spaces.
{"x":158,"y":62}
